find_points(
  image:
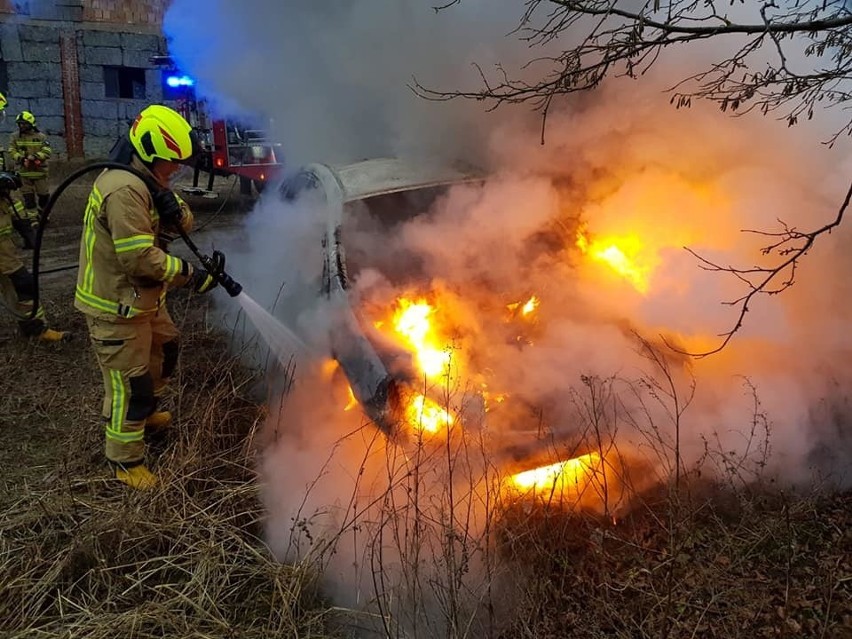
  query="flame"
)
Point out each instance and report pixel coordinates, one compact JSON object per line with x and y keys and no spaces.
{"x":490,"y":399}
{"x":328,"y":368}
{"x":621,"y":253}
{"x":558,"y":478}
{"x":426,"y":415}
{"x":531,"y":304}
{"x":412,"y":322}
{"x":353,"y":401}
{"x":525,"y":308}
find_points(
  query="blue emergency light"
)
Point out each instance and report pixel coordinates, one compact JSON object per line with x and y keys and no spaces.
{"x":176,"y":81}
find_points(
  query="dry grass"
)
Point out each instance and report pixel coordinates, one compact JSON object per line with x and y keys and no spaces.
{"x":712,"y":564}
{"x":82,"y":556}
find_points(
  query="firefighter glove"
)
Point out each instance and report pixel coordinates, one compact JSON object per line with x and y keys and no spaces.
{"x":202,"y":281}
{"x":168,"y":207}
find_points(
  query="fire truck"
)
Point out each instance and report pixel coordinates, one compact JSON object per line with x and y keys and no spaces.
{"x":228,"y":146}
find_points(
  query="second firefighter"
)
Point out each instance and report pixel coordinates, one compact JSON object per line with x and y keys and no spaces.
{"x":30,"y":151}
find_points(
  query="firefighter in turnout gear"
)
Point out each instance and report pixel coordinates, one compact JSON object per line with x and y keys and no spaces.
{"x":122,"y":282}
{"x":30,"y":151}
{"x":16,"y":281}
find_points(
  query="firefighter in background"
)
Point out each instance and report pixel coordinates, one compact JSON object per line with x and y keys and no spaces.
{"x":122,"y":282}
{"x":17,"y":282}
{"x":30,"y":151}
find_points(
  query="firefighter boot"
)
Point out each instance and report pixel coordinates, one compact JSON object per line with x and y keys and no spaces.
{"x":158,"y":421}
{"x":138,"y":477}
{"x":50,"y":335}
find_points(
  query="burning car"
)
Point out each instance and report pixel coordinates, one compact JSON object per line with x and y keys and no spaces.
{"x":400,"y":366}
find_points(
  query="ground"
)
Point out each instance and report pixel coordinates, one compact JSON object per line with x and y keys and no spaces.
{"x":81,"y":556}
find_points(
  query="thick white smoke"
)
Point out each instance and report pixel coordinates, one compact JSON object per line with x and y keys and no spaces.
{"x":334,"y":77}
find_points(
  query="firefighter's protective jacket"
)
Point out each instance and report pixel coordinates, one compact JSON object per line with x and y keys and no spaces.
{"x":32,"y":144}
{"x":124,"y":271}
{"x":9,"y":260}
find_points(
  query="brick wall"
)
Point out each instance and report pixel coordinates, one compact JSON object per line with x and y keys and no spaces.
{"x":148,"y":12}
{"x":139,"y":12}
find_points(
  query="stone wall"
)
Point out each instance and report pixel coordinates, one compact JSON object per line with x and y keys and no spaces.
{"x":31,"y":54}
{"x":105,"y":118}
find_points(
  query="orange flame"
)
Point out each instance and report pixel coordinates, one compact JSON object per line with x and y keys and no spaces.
{"x":531,"y":304}
{"x":426,"y":415}
{"x":525,"y":308}
{"x":353,"y":401}
{"x":412,"y":322}
{"x":562,"y":477}
{"x":621,"y":253}
{"x":328,"y":368}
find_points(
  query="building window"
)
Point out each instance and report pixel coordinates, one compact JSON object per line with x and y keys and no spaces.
{"x":124,"y":82}
{"x":4,"y":78}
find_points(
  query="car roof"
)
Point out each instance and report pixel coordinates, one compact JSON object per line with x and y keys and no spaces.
{"x":381,"y":176}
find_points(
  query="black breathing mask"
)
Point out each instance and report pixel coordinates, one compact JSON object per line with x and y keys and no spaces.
{"x":122,"y":151}
{"x":9,"y":181}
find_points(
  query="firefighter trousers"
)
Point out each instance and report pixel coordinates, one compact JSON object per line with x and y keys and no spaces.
{"x":34,"y":193}
{"x":136,"y":357}
{"x":17,"y":290}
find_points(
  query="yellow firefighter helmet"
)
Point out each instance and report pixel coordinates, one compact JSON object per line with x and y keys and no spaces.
{"x":161,"y":132}
{"x":26,"y":116}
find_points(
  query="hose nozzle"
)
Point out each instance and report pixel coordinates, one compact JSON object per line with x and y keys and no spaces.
{"x":216,"y":267}
{"x":231,"y":286}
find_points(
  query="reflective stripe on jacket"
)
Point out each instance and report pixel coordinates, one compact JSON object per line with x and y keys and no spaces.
{"x":10,"y":261}
{"x":123,"y":270}
{"x":32,"y":143}
{"x":6,"y":215}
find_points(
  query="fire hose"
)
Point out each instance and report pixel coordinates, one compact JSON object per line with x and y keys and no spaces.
{"x":214,"y":265}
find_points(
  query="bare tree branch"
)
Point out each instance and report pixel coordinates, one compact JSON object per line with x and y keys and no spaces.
{"x":610,"y":40}
{"x":791,"y":246}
